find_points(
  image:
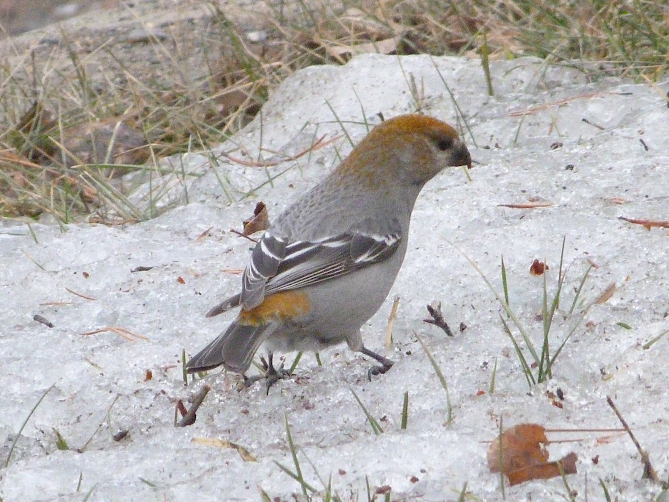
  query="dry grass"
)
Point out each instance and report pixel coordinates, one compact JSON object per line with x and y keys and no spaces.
{"x":75,"y":116}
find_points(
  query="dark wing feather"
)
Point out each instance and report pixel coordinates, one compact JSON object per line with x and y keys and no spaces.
{"x":265,"y":260}
{"x":309,"y":263}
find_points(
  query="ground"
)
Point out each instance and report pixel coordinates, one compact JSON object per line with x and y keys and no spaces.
{"x":557,"y":155}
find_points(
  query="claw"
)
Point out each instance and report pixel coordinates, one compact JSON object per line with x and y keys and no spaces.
{"x":386,"y":363}
{"x":271,"y":375}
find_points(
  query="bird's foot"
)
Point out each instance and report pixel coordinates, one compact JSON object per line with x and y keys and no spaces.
{"x":271,"y":375}
{"x":386,"y":363}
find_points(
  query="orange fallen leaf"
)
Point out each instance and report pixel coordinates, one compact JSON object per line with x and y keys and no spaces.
{"x":520,"y":453}
{"x":544,"y":471}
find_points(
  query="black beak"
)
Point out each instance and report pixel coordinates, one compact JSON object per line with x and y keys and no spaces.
{"x":461,"y":156}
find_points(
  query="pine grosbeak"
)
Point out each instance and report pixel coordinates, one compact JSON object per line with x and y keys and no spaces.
{"x":327,"y":262}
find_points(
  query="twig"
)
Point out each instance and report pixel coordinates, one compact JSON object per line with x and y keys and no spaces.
{"x":255,"y":241}
{"x":593,"y":124}
{"x":43,"y":320}
{"x":648,"y":470}
{"x":438,"y":318}
{"x":189,"y":417}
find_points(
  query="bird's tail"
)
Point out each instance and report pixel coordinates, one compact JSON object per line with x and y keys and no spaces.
{"x":225,"y":305}
{"x":234,"y":348}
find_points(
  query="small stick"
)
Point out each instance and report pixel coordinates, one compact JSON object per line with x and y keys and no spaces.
{"x":391,"y":322}
{"x":648,"y":471}
{"x":43,"y":320}
{"x":141,"y":268}
{"x":189,"y":417}
{"x":593,"y":125}
{"x":438,"y":318}
{"x":242,"y":235}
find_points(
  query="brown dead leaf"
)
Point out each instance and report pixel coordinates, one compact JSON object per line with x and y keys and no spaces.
{"x":519,"y":446}
{"x":538,"y":267}
{"x":520,"y":453}
{"x":259,"y":221}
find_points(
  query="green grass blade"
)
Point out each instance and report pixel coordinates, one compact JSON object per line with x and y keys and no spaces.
{"x":25,"y":422}
{"x":442,"y":379}
{"x":376,"y":428}
{"x":405,"y":411}
{"x":521,"y":357}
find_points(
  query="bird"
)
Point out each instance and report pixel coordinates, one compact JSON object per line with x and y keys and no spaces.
{"x":327,"y":263}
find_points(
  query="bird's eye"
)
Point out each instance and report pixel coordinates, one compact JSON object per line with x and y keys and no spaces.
{"x":445,"y":143}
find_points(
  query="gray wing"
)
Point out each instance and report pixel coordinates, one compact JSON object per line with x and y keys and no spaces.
{"x":276,"y":266}
{"x":308,"y":263}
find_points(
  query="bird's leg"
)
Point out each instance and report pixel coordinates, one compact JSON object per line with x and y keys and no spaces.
{"x":386,"y":363}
